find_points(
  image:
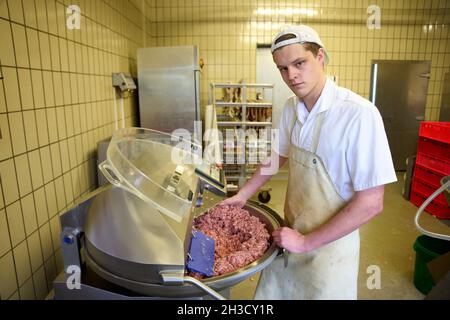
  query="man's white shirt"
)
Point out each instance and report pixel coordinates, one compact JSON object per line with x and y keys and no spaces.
{"x":352,"y":144}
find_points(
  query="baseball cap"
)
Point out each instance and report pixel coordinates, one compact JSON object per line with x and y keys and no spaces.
{"x":302,"y":34}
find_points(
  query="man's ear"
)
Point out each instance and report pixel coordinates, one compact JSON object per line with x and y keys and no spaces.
{"x":321,"y":56}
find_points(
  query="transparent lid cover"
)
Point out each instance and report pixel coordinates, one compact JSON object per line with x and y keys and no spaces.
{"x":159,"y":168}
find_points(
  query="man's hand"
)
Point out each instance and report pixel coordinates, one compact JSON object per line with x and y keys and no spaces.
{"x":290,"y":239}
{"x":237,"y":200}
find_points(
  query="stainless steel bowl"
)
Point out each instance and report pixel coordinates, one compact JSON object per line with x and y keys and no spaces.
{"x":124,"y":274}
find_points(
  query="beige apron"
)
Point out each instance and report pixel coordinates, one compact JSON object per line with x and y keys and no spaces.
{"x":330,"y":272}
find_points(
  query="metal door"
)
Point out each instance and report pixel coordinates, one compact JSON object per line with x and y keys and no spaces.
{"x":399,"y":90}
{"x":445,"y":99}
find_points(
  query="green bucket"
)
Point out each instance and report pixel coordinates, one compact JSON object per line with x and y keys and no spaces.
{"x":427,"y":249}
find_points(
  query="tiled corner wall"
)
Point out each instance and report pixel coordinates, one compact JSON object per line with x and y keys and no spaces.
{"x":228,"y":31}
{"x":56,"y":103}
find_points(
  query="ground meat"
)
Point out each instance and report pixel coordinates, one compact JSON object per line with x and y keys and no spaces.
{"x":240,"y":238}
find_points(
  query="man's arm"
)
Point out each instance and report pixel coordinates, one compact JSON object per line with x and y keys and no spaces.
{"x":264,"y":172}
{"x":362,"y":207}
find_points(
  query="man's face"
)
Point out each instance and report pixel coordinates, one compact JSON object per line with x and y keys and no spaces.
{"x":299,"y":68}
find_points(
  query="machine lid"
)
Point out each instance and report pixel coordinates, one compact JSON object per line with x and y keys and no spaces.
{"x":157,"y":167}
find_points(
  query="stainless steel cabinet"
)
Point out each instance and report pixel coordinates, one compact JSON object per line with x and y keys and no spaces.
{"x":169,"y":95}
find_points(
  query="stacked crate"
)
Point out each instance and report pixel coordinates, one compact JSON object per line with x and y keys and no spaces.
{"x":432,"y":164}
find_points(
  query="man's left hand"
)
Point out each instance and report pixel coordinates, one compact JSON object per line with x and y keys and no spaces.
{"x":290,"y":239}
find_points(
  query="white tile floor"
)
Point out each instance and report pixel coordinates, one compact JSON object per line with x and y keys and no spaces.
{"x":386,"y":241}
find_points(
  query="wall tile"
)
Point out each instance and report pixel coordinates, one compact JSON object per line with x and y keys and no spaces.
{"x":54,"y":53}
{"x":46,"y":164}
{"x":65,"y":161}
{"x":56,"y":159}
{"x":23,"y":174}
{"x":72,"y":152}
{"x":57,"y":82}
{"x":20,"y":45}
{"x":7,"y":48}
{"x":17,"y":132}
{"x":26,"y":291}
{"x":67,"y":179}
{"x":15,"y":222}
{"x":52,"y":125}
{"x":55,"y":228}
{"x":15,"y":10}
{"x":74,"y":88}
{"x":46,"y":241}
{"x":50,"y":270}
{"x":69,"y":121}
{"x":39,"y":280}
{"x":60,"y":193}
{"x":61,"y":122}
{"x":36,"y":169}
{"x":44,"y":42}
{"x":34,"y":246}
{"x":29,"y":214}
{"x":63,"y":55}
{"x":22,"y":262}
{"x":66,"y":88}
{"x":75,"y":178}
{"x":51,"y":199}
{"x":26,"y":91}
{"x":41,"y":206}
{"x":51,"y":15}
{"x":41,"y":15}
{"x":5,"y":142}
{"x":14,"y":296}
{"x":4,"y":9}
{"x":38,"y":89}
{"x":29,"y":121}
{"x":30,"y":13}
{"x":33,"y":47}
{"x":5,"y":241}
{"x":11,"y":89}
{"x":7,"y":276}
{"x":48,"y":89}
{"x":42,"y":127}
{"x":2,"y":97}
{"x":9,"y":181}
{"x":61,"y":17}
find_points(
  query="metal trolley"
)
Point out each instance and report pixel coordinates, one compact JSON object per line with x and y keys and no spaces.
{"x":244,"y":116}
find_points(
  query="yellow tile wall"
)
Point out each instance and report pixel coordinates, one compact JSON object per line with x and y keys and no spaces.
{"x":228,"y":31}
{"x":56,"y":103}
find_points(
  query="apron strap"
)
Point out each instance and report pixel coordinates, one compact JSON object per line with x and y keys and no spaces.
{"x":316,"y":133}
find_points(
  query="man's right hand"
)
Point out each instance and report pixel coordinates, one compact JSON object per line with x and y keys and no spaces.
{"x":238,"y":200}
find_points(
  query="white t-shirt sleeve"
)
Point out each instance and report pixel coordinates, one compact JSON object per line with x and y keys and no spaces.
{"x":283,"y":144}
{"x":368,"y":155}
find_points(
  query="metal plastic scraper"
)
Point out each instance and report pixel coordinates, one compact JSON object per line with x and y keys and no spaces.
{"x":201,"y":254}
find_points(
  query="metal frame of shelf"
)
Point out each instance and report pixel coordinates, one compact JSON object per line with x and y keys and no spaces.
{"x":242,"y":173}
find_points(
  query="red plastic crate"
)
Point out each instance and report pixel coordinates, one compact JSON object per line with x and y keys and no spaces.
{"x":421,"y":187}
{"x":433,"y":208}
{"x":431,"y":177}
{"x":433,"y":163}
{"x":439,"y":131}
{"x":434,"y":148}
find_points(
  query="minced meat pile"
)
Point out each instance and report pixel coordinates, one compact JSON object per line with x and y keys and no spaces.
{"x":240,"y":238}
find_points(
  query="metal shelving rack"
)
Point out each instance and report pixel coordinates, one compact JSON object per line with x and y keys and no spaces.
{"x":237,"y":174}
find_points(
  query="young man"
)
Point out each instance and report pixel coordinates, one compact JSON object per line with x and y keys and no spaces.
{"x":339,"y":162}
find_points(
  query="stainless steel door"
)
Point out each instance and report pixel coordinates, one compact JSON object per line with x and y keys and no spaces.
{"x":399,"y":90}
{"x":445,"y":99}
{"x":168,"y":88}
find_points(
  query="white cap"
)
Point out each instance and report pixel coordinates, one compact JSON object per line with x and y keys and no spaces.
{"x":302,"y":34}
